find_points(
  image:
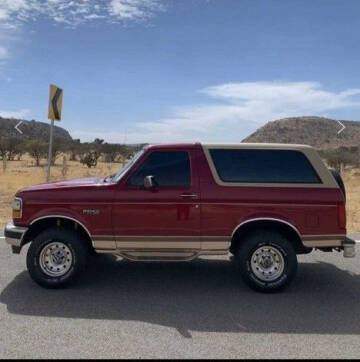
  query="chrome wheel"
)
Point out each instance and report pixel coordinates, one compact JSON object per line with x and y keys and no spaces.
{"x":267,"y":263}
{"x":55,"y":259}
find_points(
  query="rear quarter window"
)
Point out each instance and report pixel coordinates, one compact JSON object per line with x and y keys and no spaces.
{"x":263,"y":166}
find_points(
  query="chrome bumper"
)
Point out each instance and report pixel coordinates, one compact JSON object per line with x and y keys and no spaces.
{"x":338,"y":242}
{"x":14,"y":236}
{"x":349,"y":246}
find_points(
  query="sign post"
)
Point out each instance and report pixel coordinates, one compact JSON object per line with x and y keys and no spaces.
{"x":55,"y":106}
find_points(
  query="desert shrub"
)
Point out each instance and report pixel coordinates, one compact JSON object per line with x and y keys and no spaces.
{"x":90,"y":158}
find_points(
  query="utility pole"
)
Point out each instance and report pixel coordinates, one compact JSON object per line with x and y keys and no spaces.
{"x":50,"y":152}
{"x":55,"y":107}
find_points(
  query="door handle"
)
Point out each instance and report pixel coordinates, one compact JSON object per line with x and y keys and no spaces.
{"x":189,"y":196}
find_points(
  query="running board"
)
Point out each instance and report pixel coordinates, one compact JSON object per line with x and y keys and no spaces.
{"x":158,"y":256}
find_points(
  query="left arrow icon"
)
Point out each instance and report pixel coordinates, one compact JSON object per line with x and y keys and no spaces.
{"x":17,"y":127}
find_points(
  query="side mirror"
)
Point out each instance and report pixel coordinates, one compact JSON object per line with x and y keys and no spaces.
{"x":149,"y":182}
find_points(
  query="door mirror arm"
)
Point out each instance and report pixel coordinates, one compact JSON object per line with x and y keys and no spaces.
{"x":150,"y":183}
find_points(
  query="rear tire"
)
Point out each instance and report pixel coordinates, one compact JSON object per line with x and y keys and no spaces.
{"x":267,"y":261}
{"x":56,"y":257}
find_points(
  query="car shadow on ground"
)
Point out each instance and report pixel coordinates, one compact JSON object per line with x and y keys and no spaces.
{"x":203,"y":295}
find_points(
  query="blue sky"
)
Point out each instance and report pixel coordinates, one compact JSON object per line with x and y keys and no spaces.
{"x":171,"y":70}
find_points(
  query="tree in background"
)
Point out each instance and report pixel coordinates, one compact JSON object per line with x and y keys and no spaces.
{"x":20,"y":150}
{"x":64,"y":167}
{"x":74,"y":149}
{"x":111,"y":152}
{"x":58,"y":147}
{"x":37,"y":150}
{"x":127,"y":151}
{"x":98,"y":141}
{"x":3,"y":148}
{"x":340,"y":157}
{"x":13,"y":146}
{"x":4,"y":152}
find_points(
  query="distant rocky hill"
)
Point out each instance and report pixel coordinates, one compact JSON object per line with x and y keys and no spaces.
{"x":319,"y":132}
{"x":30,"y":129}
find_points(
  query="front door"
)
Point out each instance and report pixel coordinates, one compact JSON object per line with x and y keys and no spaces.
{"x":166,"y":217}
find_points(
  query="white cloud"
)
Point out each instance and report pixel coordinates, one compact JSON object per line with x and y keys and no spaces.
{"x":300,"y":96}
{"x":94,"y":16}
{"x":74,"y":13}
{"x":134,"y":9}
{"x":3,"y":53}
{"x":239,"y":109}
{"x":14,"y":114}
{"x":70,"y":13}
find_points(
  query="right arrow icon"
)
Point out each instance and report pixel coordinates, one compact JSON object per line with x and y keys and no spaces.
{"x":342,"y":127}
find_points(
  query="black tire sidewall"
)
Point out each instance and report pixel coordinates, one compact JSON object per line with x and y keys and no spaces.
{"x":72,"y":241}
{"x":276,"y":241}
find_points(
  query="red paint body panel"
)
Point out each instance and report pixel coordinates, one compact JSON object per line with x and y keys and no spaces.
{"x":70,"y":198}
{"x":216,"y":211}
{"x":160,"y":212}
{"x":311,"y":210}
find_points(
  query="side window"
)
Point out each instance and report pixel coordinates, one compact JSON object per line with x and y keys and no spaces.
{"x":170,"y":169}
{"x":263,"y":166}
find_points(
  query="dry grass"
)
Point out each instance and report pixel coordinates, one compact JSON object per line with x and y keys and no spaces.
{"x":351,"y":178}
{"x":23,"y":173}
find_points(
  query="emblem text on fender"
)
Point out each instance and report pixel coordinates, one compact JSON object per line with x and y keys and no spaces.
{"x":91,"y":211}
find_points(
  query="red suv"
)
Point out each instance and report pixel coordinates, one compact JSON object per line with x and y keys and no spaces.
{"x":263,"y":203}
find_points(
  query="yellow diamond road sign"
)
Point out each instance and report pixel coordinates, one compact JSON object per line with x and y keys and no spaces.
{"x":55,"y":103}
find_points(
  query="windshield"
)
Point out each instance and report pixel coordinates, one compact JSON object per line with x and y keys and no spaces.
{"x":127,"y":165}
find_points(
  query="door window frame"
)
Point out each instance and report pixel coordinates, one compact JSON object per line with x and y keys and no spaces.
{"x":145,"y":157}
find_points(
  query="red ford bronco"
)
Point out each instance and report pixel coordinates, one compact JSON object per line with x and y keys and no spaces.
{"x":263,"y":203}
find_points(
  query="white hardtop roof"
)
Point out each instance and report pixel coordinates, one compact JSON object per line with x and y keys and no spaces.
{"x":256,"y":145}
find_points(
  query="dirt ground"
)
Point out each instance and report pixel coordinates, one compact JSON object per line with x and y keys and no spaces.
{"x":23,"y":173}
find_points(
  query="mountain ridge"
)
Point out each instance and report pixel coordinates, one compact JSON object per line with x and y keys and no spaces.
{"x":319,"y":132}
{"x":31,"y":129}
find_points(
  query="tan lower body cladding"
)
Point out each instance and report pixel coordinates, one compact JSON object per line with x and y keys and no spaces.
{"x":323,"y":241}
{"x":183,"y":247}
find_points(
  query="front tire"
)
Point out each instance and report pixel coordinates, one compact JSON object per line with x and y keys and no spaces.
{"x":267,"y":261}
{"x":56,"y":257}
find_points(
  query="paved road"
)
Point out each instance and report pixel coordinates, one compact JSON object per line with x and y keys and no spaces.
{"x":173,"y":310}
{"x":355,"y":236}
